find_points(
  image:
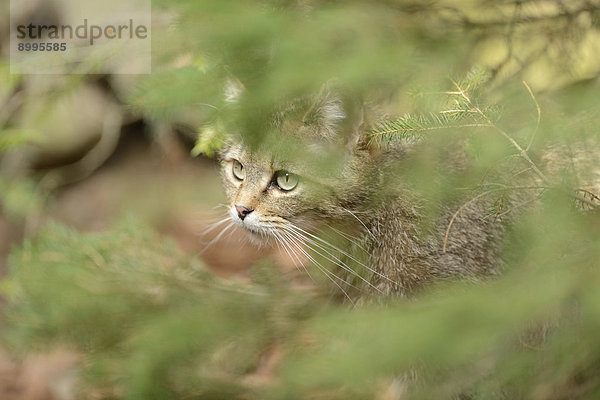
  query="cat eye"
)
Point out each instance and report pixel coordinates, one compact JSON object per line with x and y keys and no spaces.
{"x":286,"y":180}
{"x":238,"y":170}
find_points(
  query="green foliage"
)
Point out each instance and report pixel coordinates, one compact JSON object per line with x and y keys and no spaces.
{"x":282,"y":50}
{"x":210,"y":140}
{"x":462,"y":111}
{"x":152,"y":322}
{"x":155,"y":324}
{"x":523,"y":336}
{"x":165,"y":93}
{"x":10,"y":139}
{"x":20,"y":198}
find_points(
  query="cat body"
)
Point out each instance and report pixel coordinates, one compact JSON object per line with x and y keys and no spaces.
{"x":336,"y":182}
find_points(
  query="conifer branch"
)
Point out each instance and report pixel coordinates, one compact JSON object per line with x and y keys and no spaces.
{"x":388,"y":131}
{"x":460,"y":114}
{"x":522,"y":152}
{"x":465,"y":113}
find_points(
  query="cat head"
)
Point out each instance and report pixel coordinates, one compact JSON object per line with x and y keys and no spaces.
{"x":302,"y":173}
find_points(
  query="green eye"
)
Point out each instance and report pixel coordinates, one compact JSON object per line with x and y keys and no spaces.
{"x":286,"y":180}
{"x":238,"y":170}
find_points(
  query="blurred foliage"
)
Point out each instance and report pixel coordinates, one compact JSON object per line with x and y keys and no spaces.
{"x":210,"y":140}
{"x":153,"y":323}
{"x":11,"y":139}
{"x":376,"y":49}
{"x":20,"y":198}
{"x":530,"y":334}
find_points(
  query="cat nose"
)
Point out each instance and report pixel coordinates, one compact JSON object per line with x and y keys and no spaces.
{"x":242,"y":211}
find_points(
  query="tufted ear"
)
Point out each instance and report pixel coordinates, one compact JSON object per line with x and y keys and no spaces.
{"x":339,"y":117}
{"x":325,"y":113}
{"x":355,"y":135}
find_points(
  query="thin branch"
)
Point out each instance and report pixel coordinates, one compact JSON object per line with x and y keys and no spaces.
{"x":480,"y":195}
{"x":516,"y":145}
{"x":539,"y":116}
{"x":503,"y":187}
{"x":457,"y":111}
{"x":593,"y":200}
{"x":520,"y":205}
{"x":455,"y":215}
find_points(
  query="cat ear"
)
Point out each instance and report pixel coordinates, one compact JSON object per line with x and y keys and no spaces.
{"x":354,"y":136}
{"x":340,"y":117}
{"x":326,"y":113}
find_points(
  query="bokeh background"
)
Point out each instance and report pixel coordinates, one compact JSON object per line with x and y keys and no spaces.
{"x":108,"y":186}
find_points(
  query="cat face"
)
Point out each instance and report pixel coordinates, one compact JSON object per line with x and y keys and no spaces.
{"x":292,"y":181}
{"x":270,"y":196}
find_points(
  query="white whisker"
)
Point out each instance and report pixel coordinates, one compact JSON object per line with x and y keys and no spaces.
{"x":342,"y":252}
{"x":216,"y":238}
{"x":362,"y":223}
{"x":215,"y":225}
{"x":327,"y":273}
{"x":287,"y":250}
{"x":297,"y":242}
{"x":350,"y":238}
{"x":332,"y":257}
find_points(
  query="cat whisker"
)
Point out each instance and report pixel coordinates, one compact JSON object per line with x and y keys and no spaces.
{"x":350,"y":238}
{"x":342,"y":252}
{"x":216,"y":224}
{"x":325,"y":270}
{"x":218,"y":237}
{"x":293,"y":243}
{"x":230,"y":234}
{"x":243,"y":239}
{"x":290,"y":252}
{"x":277,"y":241}
{"x":298,"y":240}
{"x":212,"y":214}
{"x":337,"y":261}
{"x":327,"y":273}
{"x":331,"y":257}
{"x":220,"y":205}
{"x":362,"y":223}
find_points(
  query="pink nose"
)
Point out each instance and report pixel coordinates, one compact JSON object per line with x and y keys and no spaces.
{"x":242,"y":211}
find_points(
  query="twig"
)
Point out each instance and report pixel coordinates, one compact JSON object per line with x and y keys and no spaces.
{"x":501,"y":188}
{"x":455,"y":215}
{"x":593,"y":198}
{"x":539,"y":116}
{"x":522,"y":152}
{"x":523,"y":204}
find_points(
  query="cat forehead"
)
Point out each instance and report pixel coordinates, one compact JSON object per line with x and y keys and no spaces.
{"x":260,"y":158}
{"x":233,"y":151}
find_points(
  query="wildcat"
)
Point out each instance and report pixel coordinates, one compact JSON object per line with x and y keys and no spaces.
{"x":316,"y":172}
